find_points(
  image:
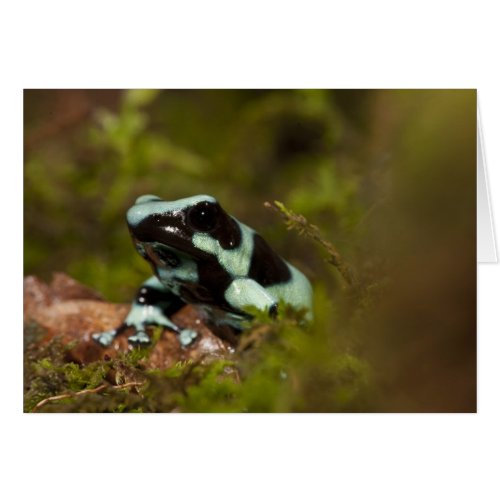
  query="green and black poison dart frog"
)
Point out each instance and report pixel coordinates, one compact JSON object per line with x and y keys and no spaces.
{"x":201,"y":255}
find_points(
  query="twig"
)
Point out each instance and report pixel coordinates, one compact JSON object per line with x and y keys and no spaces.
{"x":98,"y":389}
{"x":300,"y":223}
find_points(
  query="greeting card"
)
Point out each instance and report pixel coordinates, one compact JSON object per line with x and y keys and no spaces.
{"x":253,"y":250}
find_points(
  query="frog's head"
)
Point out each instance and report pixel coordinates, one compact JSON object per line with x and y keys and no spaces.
{"x":164,"y":232}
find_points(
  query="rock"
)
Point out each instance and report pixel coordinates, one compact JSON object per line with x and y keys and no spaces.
{"x":37,"y":295}
{"x":73,"y":312}
{"x":65,"y":288}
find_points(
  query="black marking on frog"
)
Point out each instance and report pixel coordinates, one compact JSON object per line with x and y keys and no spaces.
{"x":167,"y":229}
{"x":169,"y":302}
{"x":210,"y":218}
{"x":227,"y":233}
{"x":266,"y":266}
{"x":174,"y":230}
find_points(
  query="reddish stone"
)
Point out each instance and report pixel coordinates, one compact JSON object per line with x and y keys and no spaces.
{"x":73,"y":312}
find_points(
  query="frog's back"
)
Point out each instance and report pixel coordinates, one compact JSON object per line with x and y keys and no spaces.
{"x":280,"y":279}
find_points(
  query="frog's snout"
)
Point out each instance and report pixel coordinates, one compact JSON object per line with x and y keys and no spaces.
{"x":136,"y":214}
{"x":142,"y":208}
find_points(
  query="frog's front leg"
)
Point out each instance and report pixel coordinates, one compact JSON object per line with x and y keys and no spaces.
{"x":153,"y":305}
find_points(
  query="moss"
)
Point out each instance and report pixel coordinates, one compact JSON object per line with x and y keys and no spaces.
{"x":281,"y":366}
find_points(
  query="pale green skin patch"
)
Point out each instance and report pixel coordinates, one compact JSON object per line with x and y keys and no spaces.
{"x":297,"y":292}
{"x":186,"y":272}
{"x":234,"y":260}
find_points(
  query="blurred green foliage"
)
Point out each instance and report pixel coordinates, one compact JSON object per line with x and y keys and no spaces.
{"x":243,"y":147}
{"x":367,"y":167}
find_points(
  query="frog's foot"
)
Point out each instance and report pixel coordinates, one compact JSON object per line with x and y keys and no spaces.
{"x":187,"y":337}
{"x":104,"y":338}
{"x":140,"y":338}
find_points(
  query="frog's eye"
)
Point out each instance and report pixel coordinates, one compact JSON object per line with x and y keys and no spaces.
{"x":203,"y":216}
{"x":168,"y":257}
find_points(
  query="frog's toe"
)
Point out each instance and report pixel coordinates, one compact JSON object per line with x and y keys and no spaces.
{"x":104,"y":338}
{"x":139,"y":339}
{"x":187,"y":337}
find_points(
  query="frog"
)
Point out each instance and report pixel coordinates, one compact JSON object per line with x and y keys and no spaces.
{"x":202,"y":255}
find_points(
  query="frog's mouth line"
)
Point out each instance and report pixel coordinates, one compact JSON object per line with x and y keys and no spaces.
{"x":149,"y":251}
{"x":175,"y":243}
